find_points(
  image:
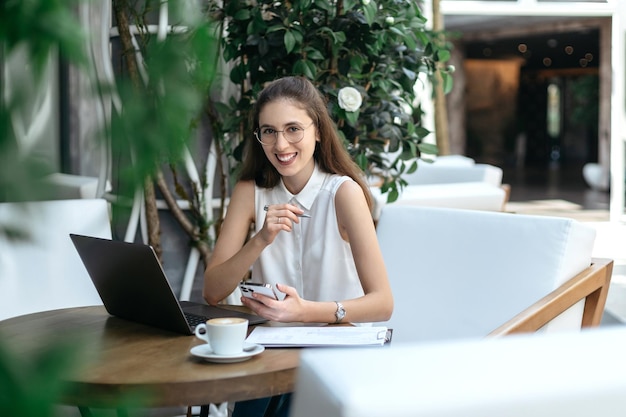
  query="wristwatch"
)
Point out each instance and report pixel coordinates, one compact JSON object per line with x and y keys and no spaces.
{"x":340,"y":313}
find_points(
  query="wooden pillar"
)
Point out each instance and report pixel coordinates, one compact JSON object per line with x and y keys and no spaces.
{"x":441,"y":113}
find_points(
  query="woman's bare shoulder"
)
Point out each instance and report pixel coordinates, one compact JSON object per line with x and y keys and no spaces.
{"x":350,"y":200}
{"x":349,"y":190}
{"x":242,"y":199}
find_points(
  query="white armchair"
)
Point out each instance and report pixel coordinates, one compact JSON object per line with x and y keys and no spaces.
{"x":44,"y":271}
{"x":460,"y":278}
{"x":465,"y":273}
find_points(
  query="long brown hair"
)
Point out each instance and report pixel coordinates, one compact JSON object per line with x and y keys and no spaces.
{"x":330,"y":154}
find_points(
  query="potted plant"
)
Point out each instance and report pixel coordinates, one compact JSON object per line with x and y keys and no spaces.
{"x":365,"y":56}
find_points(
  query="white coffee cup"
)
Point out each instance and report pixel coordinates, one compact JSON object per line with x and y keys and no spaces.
{"x":225,"y":335}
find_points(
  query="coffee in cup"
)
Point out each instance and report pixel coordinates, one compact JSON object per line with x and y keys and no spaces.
{"x":225,"y":335}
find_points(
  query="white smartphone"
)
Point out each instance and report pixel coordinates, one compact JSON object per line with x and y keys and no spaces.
{"x":248,"y":288}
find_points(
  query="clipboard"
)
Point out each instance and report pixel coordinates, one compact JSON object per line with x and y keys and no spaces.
{"x":320,"y":336}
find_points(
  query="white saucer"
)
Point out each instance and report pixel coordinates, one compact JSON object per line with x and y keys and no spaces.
{"x":205,"y":352}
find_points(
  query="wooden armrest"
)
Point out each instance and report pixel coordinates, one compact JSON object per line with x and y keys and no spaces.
{"x":592,"y":284}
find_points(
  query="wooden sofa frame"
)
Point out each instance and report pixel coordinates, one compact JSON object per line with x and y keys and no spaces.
{"x":592,"y":285}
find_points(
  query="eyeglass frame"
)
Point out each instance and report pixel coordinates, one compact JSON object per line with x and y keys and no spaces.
{"x":276,"y":132}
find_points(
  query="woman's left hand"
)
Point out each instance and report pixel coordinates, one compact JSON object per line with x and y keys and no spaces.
{"x":290,"y":309}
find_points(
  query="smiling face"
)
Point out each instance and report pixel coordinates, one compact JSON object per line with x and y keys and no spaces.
{"x":293,"y":161}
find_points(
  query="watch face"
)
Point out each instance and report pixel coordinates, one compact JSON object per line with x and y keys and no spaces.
{"x":340,"y":313}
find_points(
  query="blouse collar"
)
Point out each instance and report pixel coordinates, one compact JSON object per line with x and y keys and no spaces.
{"x":307,"y":196}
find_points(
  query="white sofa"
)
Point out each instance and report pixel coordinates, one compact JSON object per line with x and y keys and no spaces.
{"x":463,"y":273}
{"x":573,"y":375}
{"x":43,"y":271}
{"x":465,"y":195}
{"x":453,"y":181}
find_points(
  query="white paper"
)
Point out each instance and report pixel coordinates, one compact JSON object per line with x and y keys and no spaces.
{"x":318,"y":336}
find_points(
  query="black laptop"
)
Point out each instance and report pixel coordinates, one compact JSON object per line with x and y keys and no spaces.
{"x":133,"y":286}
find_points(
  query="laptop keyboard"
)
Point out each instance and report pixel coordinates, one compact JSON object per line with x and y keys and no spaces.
{"x":194,"y":319}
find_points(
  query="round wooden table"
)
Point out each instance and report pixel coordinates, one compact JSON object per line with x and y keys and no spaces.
{"x":126,"y":358}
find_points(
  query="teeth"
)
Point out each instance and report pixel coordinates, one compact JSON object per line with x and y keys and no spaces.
{"x":285,"y":158}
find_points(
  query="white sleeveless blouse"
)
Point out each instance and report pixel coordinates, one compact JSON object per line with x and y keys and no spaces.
{"x":313,"y":257}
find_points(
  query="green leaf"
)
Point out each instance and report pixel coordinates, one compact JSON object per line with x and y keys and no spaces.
{"x":314,"y":54}
{"x":352,"y":117}
{"x":275,"y":28}
{"x":339,"y":37}
{"x":350,"y":4}
{"x":361,"y":160}
{"x":324,"y":5}
{"x":397,"y":31}
{"x":422,"y":132}
{"x":428,"y":148}
{"x":409,"y":41}
{"x":242,"y":14}
{"x":290,"y":41}
{"x":310,"y":69}
{"x":392,"y":195}
{"x":443,"y":55}
{"x":304,"y":67}
{"x":448,"y":82}
{"x":412,"y":168}
{"x":369,"y":11}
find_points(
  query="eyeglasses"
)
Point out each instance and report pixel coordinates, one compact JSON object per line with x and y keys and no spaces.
{"x":268,"y":136}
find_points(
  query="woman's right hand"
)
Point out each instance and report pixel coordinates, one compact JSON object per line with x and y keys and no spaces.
{"x":279,"y":217}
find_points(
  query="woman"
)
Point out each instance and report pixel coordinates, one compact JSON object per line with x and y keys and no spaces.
{"x":329,"y":265}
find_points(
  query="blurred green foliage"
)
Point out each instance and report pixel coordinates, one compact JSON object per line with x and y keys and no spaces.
{"x":158,"y":116}
{"x":155,"y":123}
{"x":32,"y":384}
{"x":38,"y":29}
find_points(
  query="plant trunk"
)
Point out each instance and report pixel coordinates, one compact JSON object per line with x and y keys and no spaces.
{"x":121,"y":10}
{"x":188,"y":227}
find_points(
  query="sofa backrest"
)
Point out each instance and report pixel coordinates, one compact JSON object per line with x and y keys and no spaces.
{"x":453,"y":169}
{"x":43,"y":271}
{"x":462,"y":273}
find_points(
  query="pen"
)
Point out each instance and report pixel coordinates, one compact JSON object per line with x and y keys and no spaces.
{"x":299,"y":215}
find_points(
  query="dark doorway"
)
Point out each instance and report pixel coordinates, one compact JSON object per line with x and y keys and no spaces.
{"x":554,"y":125}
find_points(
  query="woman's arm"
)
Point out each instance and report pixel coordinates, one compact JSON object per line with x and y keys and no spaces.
{"x":233,"y":256}
{"x":357,"y":227}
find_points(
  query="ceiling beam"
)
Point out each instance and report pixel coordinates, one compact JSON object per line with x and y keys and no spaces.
{"x":507,"y":29}
{"x":527,"y":8}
